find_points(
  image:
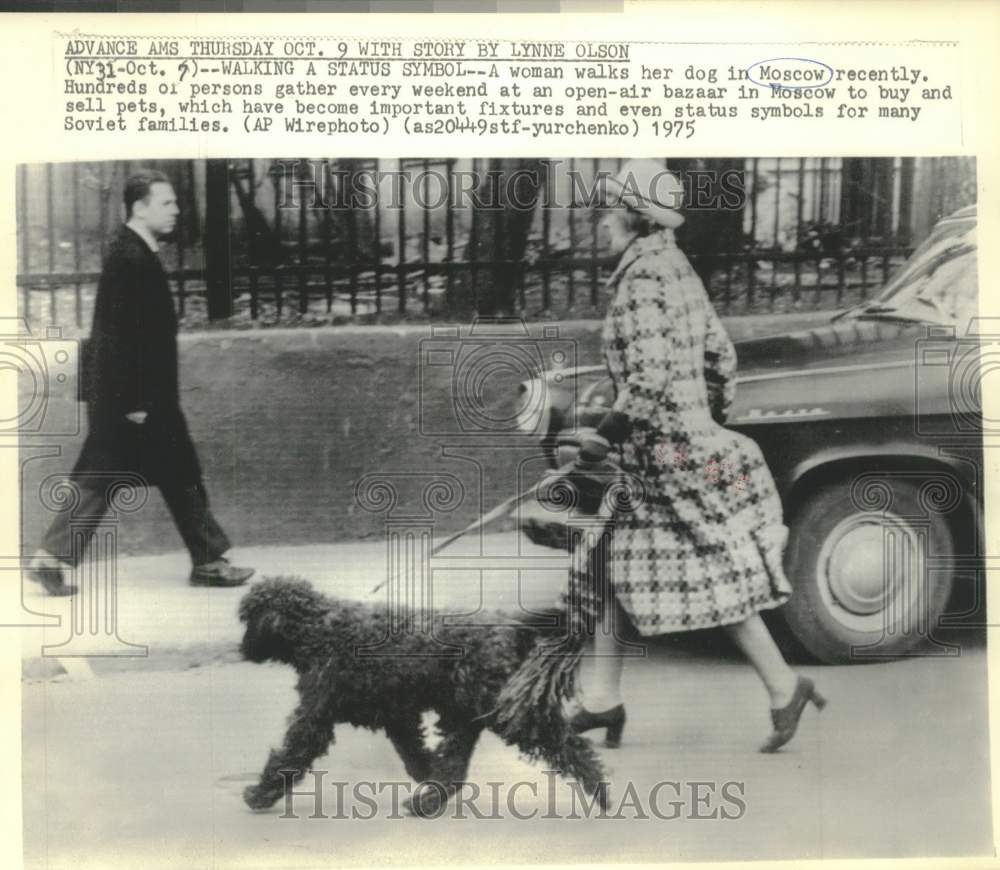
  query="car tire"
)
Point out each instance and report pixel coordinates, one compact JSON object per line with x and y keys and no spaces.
{"x":850,"y":603}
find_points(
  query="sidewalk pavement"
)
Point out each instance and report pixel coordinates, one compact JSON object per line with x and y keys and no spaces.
{"x":179,"y":624}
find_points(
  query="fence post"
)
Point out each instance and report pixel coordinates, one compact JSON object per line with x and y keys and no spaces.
{"x":218,"y":264}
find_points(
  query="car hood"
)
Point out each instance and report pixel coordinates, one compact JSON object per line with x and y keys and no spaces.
{"x":847,"y":340}
{"x":849,"y":367}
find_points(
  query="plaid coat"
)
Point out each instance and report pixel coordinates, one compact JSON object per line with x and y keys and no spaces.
{"x":703,"y":545}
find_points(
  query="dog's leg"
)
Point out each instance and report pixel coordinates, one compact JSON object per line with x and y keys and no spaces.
{"x":407,"y":735}
{"x":309,"y":735}
{"x":450,"y":764}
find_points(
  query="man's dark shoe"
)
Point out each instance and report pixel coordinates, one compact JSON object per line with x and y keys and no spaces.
{"x":52,"y":580}
{"x":219,"y":573}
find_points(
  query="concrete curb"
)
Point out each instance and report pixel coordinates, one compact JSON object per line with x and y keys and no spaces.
{"x":185,"y":627}
{"x":740,"y":324}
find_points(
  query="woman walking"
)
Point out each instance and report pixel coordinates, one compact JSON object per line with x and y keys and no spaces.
{"x":703,"y":547}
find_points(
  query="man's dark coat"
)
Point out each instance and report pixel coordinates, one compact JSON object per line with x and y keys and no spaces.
{"x":130,"y":364}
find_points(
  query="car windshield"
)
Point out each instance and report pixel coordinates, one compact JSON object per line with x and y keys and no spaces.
{"x":939,"y":282}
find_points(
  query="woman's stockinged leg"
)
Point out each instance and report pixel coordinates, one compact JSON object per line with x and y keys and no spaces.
{"x":602,"y":671}
{"x":756,"y":643}
{"x":602,"y":677}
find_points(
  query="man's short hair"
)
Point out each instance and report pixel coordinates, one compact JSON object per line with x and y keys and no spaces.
{"x":138,"y":185}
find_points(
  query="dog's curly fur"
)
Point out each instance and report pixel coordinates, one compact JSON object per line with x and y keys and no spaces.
{"x":356,"y":666}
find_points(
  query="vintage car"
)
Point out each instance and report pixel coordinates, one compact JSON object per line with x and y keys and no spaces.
{"x":871,"y":424}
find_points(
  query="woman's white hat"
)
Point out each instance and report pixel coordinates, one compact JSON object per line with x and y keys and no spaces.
{"x":643,"y":185}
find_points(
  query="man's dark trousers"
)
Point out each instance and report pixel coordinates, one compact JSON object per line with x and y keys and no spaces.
{"x":129,"y":365}
{"x":203,"y":536}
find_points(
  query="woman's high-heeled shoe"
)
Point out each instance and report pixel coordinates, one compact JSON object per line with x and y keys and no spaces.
{"x":786,"y":719}
{"x":613,"y":720}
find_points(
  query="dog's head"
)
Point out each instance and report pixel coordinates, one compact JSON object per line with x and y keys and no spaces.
{"x":277,"y":611}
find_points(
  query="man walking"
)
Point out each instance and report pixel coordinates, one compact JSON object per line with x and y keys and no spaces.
{"x":136,"y":425}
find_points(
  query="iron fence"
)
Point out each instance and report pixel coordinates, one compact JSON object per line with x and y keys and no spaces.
{"x":807,"y":233}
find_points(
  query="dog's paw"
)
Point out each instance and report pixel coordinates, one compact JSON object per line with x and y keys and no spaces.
{"x":257,"y":798}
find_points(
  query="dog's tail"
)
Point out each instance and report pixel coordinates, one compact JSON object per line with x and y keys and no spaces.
{"x":530,"y":708}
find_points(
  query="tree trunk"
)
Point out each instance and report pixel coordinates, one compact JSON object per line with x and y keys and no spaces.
{"x":355,"y":224}
{"x":504,"y":211}
{"x":712,"y":225}
{"x":218,"y":264}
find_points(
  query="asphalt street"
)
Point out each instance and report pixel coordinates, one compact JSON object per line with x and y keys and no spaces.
{"x":141,"y":761}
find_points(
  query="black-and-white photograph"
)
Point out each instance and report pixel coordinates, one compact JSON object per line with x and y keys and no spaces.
{"x":524,"y":510}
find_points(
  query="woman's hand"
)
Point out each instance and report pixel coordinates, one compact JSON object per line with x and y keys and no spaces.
{"x":593,"y":447}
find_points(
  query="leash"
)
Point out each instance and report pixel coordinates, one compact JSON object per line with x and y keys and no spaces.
{"x":501,"y":510}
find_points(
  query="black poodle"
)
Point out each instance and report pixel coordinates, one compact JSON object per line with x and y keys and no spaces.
{"x":364,"y":666}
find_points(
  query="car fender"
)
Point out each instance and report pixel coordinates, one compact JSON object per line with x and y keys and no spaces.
{"x":891,"y":456}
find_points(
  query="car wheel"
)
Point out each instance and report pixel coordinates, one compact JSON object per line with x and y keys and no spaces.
{"x":862,"y":589}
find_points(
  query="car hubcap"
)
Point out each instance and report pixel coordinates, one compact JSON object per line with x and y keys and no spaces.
{"x":869,"y":571}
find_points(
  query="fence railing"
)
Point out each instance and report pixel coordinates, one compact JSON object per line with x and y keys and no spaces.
{"x":809,"y":233}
